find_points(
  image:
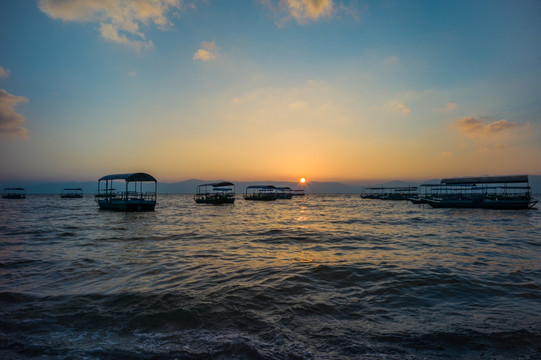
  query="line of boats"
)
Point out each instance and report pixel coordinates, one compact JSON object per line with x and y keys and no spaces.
{"x":489,"y":192}
{"x":139,"y":193}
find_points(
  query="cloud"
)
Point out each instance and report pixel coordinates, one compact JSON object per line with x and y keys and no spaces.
{"x":448,"y":108}
{"x":208,"y":51}
{"x":484,"y":127}
{"x":11,"y":123}
{"x":119,"y":20}
{"x":395,"y":106}
{"x":4,"y":74}
{"x":301,"y":10}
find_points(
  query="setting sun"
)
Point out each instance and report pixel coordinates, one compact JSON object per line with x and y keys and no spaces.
{"x":302,"y":180}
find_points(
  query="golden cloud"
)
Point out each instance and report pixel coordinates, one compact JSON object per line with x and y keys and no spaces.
{"x":485,"y":126}
{"x":11,"y":123}
{"x":208,"y":51}
{"x":303,"y":10}
{"x":395,"y":106}
{"x":119,"y":19}
{"x":300,"y":10}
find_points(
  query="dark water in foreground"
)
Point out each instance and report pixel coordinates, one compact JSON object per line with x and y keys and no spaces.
{"x":320,"y":277}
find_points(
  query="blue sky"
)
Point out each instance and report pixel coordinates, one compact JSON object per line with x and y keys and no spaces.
{"x":269,"y":89}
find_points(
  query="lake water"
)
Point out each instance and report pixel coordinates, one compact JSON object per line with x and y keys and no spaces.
{"x":315,"y":277}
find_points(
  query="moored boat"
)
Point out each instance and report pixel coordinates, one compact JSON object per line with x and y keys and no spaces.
{"x":71,"y":193}
{"x":389,"y":193}
{"x":14,"y":193}
{"x":139,"y":194}
{"x":493,"y":192}
{"x":284,"y":192}
{"x":215,"y":193}
{"x":260,"y":193}
{"x":297,"y":192}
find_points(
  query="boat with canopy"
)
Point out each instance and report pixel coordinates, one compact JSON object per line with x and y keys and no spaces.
{"x":71,"y":193}
{"x":389,"y":193}
{"x":139,"y":192}
{"x":14,"y":193}
{"x":284,"y":192}
{"x":215,"y":193}
{"x":489,"y":192}
{"x":261,"y":193}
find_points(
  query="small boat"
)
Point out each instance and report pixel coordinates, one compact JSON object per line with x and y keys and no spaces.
{"x":14,"y":193}
{"x":215,"y":193}
{"x":284,"y":192}
{"x":390,"y":193}
{"x":493,"y":192}
{"x":71,"y":193}
{"x":139,"y":194}
{"x":298,"y":192}
{"x":260,"y":193}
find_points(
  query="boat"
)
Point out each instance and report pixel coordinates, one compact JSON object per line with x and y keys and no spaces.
{"x":389,"y":193}
{"x":215,"y":193}
{"x":139,"y":194}
{"x":284,"y":192}
{"x":14,"y":193}
{"x":297,"y":192}
{"x":490,"y":192}
{"x":71,"y":193}
{"x":260,"y":193}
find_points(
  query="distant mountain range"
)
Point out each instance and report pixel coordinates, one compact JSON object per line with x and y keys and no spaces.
{"x":189,"y":186}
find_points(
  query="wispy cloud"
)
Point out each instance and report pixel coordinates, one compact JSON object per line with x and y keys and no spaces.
{"x":119,"y":20}
{"x":447,"y":108}
{"x":207,"y":52}
{"x":11,"y":123}
{"x":398,"y":107}
{"x":4,"y":74}
{"x":300,"y":10}
{"x":485,"y":126}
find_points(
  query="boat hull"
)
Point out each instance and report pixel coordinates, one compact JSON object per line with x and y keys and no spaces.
{"x":215,"y":201}
{"x":483,"y":204}
{"x":126,"y":205}
{"x":15,"y":196}
{"x":261,"y":197}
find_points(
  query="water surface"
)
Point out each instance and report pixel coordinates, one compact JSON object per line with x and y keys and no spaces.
{"x":317,"y":277}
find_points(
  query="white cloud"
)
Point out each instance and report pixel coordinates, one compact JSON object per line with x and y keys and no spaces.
{"x":4,"y":74}
{"x":11,"y":123}
{"x":119,"y":20}
{"x":208,"y":51}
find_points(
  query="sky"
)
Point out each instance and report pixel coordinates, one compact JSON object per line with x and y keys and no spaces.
{"x":329,"y":90}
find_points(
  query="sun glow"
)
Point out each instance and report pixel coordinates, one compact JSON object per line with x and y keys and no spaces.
{"x":302,"y":180}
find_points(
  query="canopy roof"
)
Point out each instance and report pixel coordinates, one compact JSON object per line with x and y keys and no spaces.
{"x":486,"y":180}
{"x":72,"y":189}
{"x":223,"y":183}
{"x":129,"y":177}
{"x":20,"y":189}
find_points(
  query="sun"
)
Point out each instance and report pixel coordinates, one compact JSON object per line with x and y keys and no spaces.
{"x":302,"y":180}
